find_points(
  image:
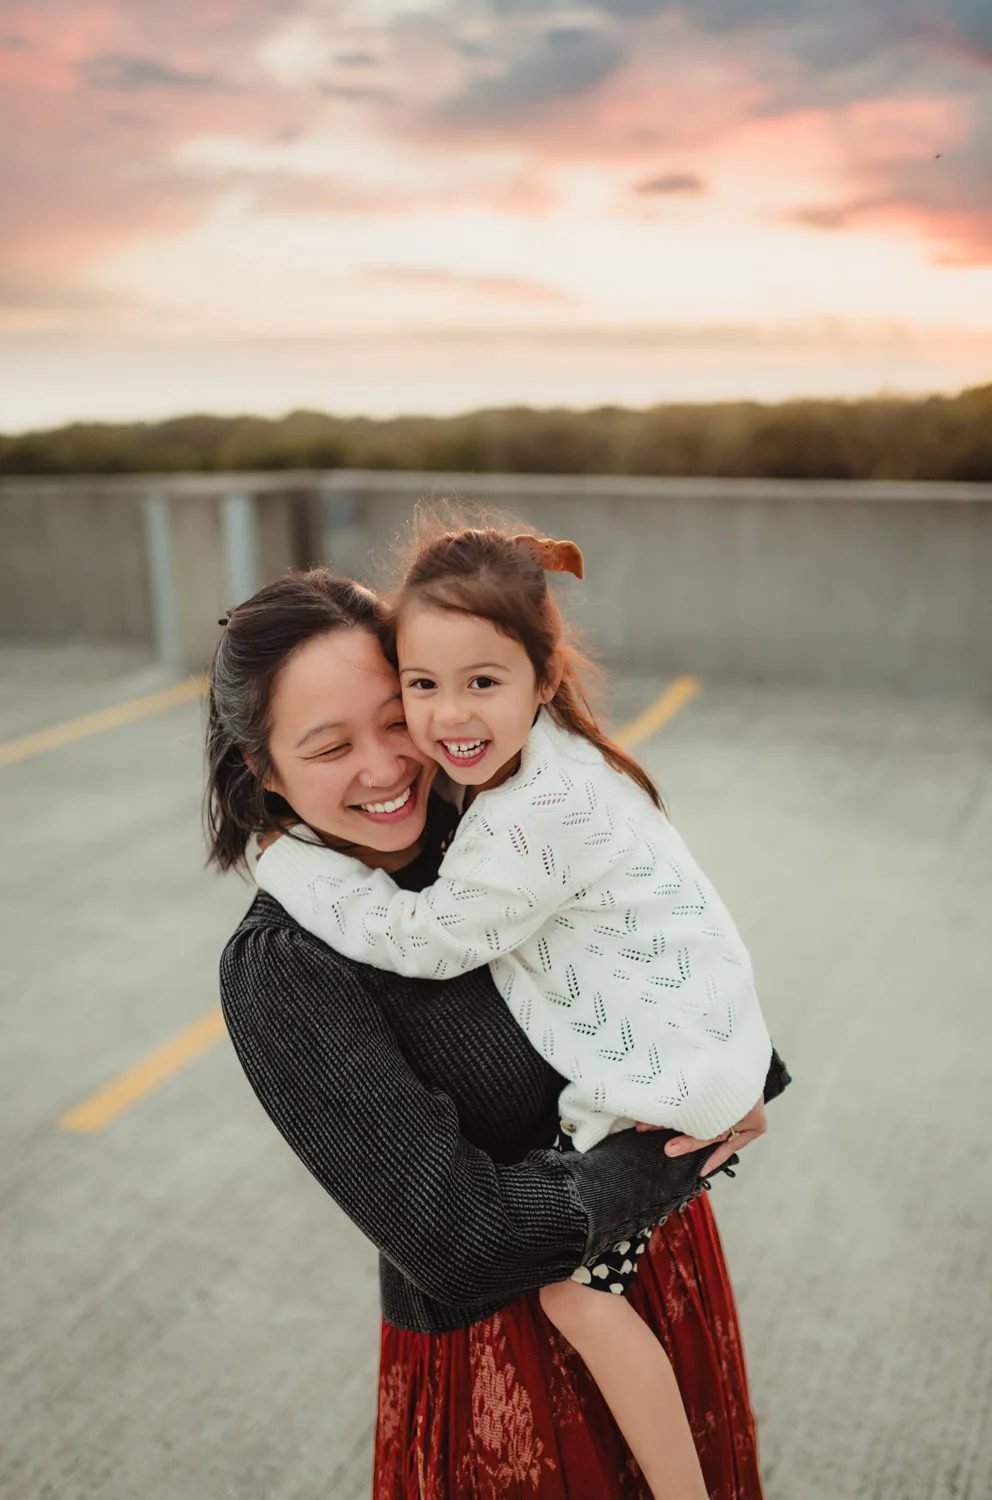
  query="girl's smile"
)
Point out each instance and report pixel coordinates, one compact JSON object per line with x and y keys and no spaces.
{"x":464,"y":752}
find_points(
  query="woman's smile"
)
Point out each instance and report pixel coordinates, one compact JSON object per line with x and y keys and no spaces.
{"x":393,"y":807}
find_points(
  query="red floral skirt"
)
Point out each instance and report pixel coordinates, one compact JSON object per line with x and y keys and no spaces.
{"x":506,"y":1409}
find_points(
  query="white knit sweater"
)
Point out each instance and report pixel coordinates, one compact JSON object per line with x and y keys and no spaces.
{"x":608,"y":943}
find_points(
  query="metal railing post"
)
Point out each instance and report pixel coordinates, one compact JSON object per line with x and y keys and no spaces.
{"x":162,"y":579}
{"x":241,"y":563}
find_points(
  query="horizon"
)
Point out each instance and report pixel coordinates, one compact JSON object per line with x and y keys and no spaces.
{"x":464,"y":413}
{"x":432,"y":207}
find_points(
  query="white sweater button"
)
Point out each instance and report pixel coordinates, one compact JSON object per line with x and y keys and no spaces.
{"x":569,"y":1127}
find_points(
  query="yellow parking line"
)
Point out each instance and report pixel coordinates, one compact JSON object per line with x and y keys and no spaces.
{"x":133,"y":1084}
{"x":106,"y":718}
{"x":658,"y":713}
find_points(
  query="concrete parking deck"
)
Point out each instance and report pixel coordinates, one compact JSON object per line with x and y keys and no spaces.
{"x":186,"y":1317}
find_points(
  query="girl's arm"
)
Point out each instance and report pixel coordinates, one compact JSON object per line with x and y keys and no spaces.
{"x":498,"y":884}
{"x":464,"y":1228}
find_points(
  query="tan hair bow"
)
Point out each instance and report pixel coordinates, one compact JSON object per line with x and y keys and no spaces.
{"x":554,"y":557}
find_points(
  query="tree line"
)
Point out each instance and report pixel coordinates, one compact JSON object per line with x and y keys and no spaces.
{"x":887,"y":437}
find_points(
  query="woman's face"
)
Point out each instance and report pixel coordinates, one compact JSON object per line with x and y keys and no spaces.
{"x":340,"y":752}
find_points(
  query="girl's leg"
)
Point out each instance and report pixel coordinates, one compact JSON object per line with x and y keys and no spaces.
{"x":633,"y":1372}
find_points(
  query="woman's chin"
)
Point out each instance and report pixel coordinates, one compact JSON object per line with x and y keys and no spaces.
{"x":391,"y":840}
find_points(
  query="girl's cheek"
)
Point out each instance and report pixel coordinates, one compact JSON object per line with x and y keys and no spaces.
{"x":422,"y":741}
{"x":416,"y":721}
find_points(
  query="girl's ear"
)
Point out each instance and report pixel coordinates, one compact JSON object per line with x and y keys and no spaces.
{"x":556,"y":671}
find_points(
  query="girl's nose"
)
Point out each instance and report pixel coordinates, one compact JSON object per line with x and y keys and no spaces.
{"x":453,"y":711}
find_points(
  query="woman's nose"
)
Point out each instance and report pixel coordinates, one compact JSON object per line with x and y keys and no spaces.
{"x":385,"y":760}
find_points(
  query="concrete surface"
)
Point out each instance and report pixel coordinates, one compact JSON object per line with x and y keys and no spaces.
{"x":883,"y":586}
{"x":184,"y":1315}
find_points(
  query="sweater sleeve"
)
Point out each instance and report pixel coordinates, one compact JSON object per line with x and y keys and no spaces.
{"x":329,"y":1073}
{"x":499,"y":883}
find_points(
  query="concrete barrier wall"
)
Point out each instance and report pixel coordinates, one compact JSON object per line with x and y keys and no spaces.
{"x":72,"y":561}
{"x":868,"y":585}
{"x":880,"y":586}
{"x":153,"y":561}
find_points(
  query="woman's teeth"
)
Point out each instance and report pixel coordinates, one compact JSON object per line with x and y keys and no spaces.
{"x":388,"y":807}
{"x":464,"y":748}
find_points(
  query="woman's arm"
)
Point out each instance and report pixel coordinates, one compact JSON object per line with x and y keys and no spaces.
{"x":465,"y":1229}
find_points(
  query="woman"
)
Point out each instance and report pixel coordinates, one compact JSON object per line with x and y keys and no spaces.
{"x":421,"y":1108}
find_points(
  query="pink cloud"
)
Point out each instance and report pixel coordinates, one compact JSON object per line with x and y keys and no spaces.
{"x":100,"y":95}
{"x":912,"y":167}
{"x":96,"y":99}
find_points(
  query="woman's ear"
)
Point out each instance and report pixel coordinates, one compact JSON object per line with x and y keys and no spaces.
{"x":269,"y":783}
{"x":556,"y":671}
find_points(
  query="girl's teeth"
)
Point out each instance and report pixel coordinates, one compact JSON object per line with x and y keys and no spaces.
{"x":388,"y":807}
{"x":461,"y":749}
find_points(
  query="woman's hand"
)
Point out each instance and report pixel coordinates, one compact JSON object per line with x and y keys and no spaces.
{"x":745,"y":1131}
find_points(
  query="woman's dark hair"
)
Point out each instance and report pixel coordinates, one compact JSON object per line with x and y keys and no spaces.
{"x":483,"y":571}
{"x":259,"y":638}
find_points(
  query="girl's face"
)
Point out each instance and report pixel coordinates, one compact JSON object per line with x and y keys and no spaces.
{"x":470,"y":693}
{"x":341,"y":755}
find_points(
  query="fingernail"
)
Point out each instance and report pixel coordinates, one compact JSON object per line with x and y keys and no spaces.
{"x":673,"y":1149}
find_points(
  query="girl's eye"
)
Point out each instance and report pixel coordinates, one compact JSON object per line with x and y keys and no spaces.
{"x":483,"y":682}
{"x":422,"y":684}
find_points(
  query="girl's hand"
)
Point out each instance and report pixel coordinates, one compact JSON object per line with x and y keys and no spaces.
{"x":746,"y":1131}
{"x":257,"y":845}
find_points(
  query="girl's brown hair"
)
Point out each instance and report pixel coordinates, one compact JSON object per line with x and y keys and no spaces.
{"x":483,"y":571}
{"x":259,"y":638}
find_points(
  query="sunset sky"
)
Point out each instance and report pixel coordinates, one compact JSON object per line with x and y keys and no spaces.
{"x":430,"y":205}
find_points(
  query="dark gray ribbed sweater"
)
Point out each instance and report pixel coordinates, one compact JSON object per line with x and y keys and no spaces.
{"x":425,"y":1113}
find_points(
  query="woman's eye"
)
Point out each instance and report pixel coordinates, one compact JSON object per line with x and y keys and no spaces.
{"x":483,"y":682}
{"x":400,"y":724}
{"x":331,"y":751}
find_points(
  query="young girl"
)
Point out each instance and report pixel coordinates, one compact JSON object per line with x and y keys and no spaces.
{"x":608,"y":943}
